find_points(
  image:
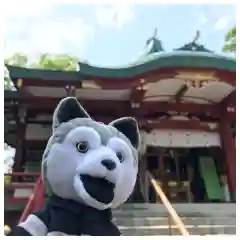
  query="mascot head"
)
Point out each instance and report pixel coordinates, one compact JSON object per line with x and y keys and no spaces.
{"x":88,"y":161}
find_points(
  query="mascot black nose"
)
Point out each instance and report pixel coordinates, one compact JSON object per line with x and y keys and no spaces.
{"x":108,"y":164}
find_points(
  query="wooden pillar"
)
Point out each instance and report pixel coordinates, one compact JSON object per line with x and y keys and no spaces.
{"x":164,"y":181}
{"x":142,"y":170}
{"x":146,"y":179}
{"x":229,"y":153}
{"x":20,"y":139}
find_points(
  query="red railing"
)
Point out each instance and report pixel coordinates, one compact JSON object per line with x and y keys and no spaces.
{"x":22,"y":174}
{"x":14,"y":181}
{"x":35,"y":200}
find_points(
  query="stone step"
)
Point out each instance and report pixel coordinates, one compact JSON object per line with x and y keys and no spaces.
{"x":185,"y":209}
{"x":166,"y":230}
{"x":141,"y":214}
{"x":161,"y":221}
{"x":153,"y":219}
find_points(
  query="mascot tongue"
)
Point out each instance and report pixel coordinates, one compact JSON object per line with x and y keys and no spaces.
{"x":98,"y":188}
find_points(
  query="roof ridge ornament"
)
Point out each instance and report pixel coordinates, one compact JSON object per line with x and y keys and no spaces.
{"x":194,"y":46}
{"x":155,"y":32}
{"x":196,"y":37}
{"x":154,"y":37}
{"x":153,"y":44}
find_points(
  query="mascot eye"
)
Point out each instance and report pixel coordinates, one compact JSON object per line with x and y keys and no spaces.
{"x":82,"y":147}
{"x":120,"y":156}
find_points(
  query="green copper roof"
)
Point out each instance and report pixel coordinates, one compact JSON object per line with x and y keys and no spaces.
{"x":191,"y":55}
{"x":193,"y":46}
{"x":154,"y":61}
{"x":43,"y":74}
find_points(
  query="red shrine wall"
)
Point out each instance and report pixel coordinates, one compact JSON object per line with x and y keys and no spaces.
{"x":172,"y":138}
{"x":163,"y":137}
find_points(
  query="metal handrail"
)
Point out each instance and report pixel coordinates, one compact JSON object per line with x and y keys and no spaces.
{"x":172,"y":212}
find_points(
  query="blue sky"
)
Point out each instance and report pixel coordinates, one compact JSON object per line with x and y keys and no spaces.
{"x":111,"y":35}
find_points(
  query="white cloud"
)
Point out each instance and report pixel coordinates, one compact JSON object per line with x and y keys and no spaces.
{"x":222,"y":23}
{"x":114,"y":16}
{"x":50,"y":36}
{"x":13,"y":8}
{"x":34,"y":29}
{"x":213,"y":19}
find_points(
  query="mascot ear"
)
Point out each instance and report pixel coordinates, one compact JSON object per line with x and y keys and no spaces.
{"x":129,"y":127}
{"x":69,"y":108}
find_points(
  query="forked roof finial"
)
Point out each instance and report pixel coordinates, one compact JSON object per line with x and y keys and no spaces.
{"x":197,"y":36}
{"x":155,"y":32}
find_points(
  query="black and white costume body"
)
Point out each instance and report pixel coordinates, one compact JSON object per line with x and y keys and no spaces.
{"x":67,"y":217}
{"x":88,"y":168}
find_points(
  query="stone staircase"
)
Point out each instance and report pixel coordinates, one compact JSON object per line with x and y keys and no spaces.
{"x":199,"y":219}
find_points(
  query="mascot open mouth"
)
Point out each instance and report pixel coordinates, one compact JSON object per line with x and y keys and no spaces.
{"x":98,"y":188}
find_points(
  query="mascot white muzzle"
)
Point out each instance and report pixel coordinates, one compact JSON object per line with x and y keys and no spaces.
{"x":90,"y":161}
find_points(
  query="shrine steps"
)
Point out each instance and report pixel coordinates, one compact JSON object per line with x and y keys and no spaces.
{"x":199,"y":219}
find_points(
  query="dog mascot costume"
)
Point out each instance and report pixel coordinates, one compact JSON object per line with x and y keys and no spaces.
{"x":88,"y":168}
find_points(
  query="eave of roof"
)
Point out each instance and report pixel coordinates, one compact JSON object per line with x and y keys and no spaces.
{"x":154,"y":61}
{"x":11,"y":95}
{"x":151,"y":62}
{"x":43,"y":74}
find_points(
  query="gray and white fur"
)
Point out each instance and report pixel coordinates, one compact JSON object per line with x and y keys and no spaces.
{"x":62,"y":163}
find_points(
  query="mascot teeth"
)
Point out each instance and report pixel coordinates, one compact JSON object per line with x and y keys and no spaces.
{"x":88,"y":168}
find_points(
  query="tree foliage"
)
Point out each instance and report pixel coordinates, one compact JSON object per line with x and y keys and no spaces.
{"x":17,"y":59}
{"x":8,"y":85}
{"x":45,"y":61}
{"x":58,"y":62}
{"x":230,"y":41}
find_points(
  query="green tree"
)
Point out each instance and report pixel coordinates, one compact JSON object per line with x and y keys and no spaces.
{"x":230,"y":41}
{"x":17,"y":59}
{"x":57,"y":62}
{"x":45,"y":61}
{"x":8,"y":85}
